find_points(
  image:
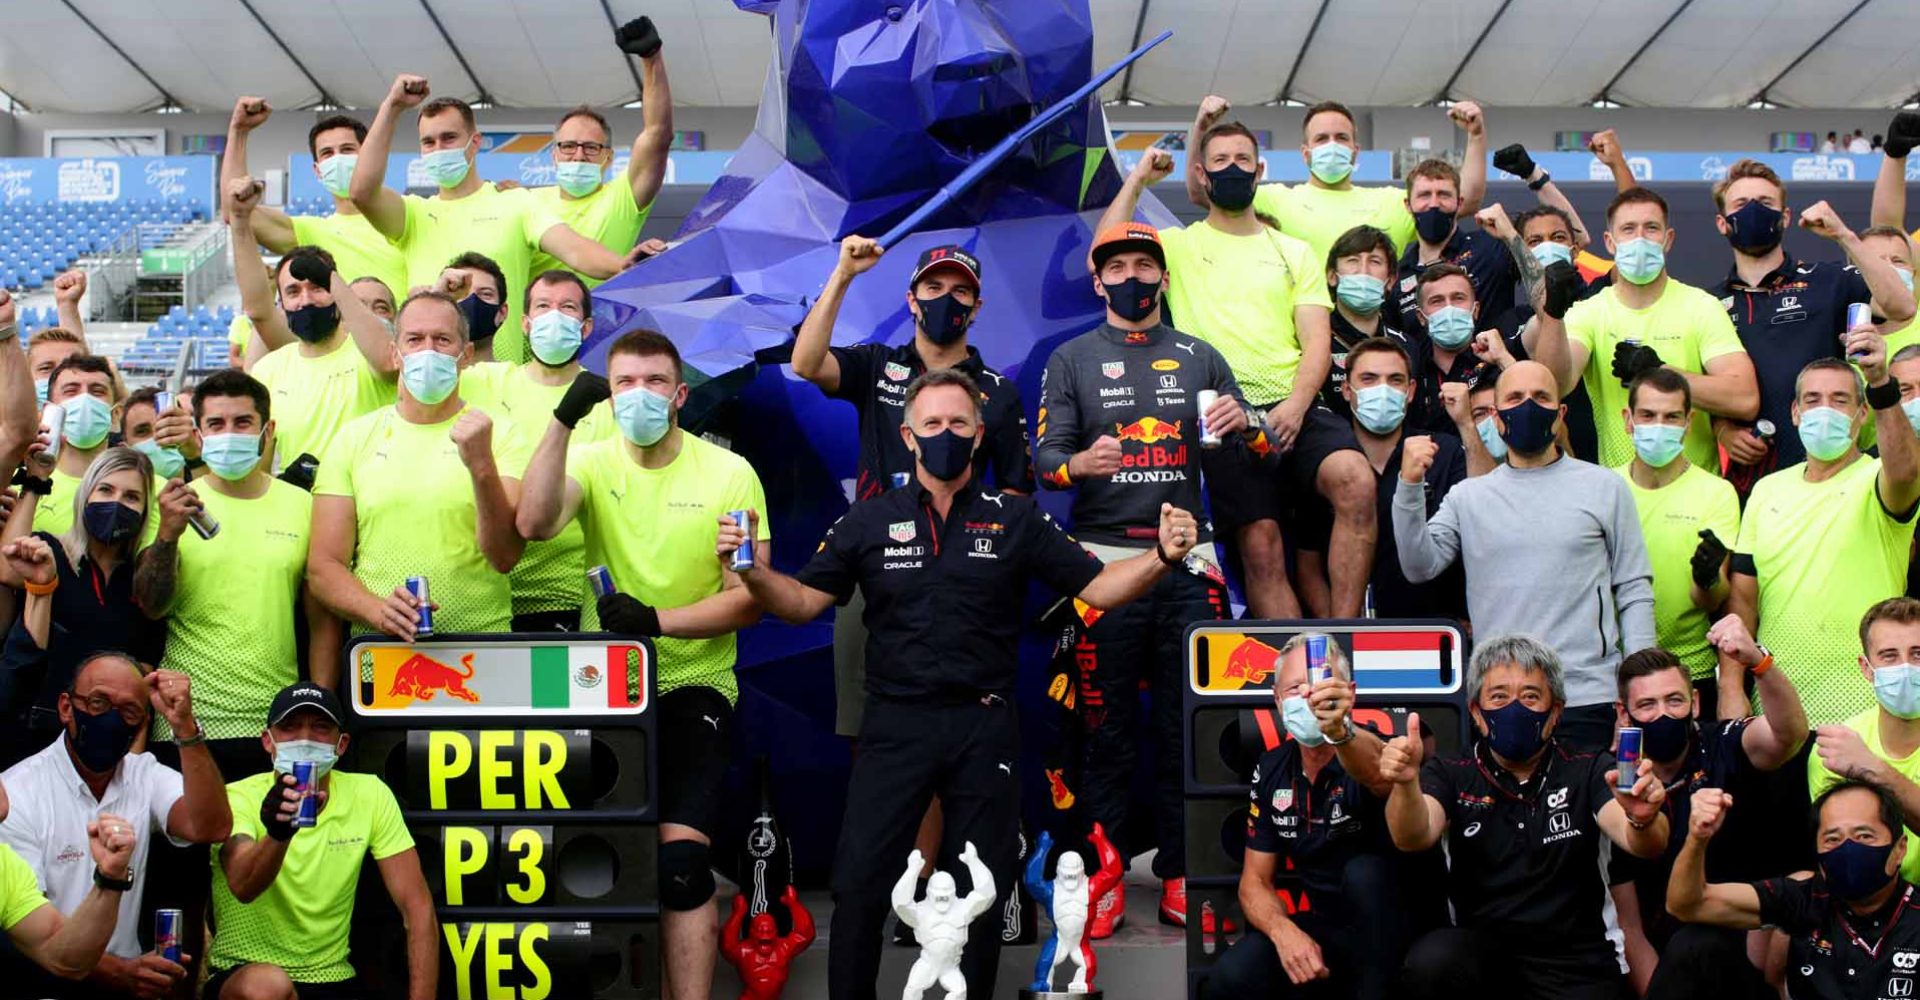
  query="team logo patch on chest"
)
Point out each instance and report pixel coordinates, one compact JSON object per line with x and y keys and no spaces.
{"x":897,"y":371}
{"x":902,"y":531}
{"x":1282,"y":799}
{"x":1114,"y":369}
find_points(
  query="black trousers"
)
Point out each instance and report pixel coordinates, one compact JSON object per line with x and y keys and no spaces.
{"x":1473,"y":962}
{"x":968,"y":754}
{"x":1142,"y":640}
{"x":1701,"y":961}
{"x":1587,"y":729}
{"x":1363,"y":933}
{"x":567,"y":620}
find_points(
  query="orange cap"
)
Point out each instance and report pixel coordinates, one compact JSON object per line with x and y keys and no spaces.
{"x":1127,"y":237}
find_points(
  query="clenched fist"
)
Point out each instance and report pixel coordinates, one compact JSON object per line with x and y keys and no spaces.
{"x":1213,"y":107}
{"x":1101,"y":459}
{"x":1710,"y":807}
{"x":1155,"y":164}
{"x":473,"y":433}
{"x":243,"y":195}
{"x":250,"y":113}
{"x":69,"y":287}
{"x":1820,"y":219}
{"x":858,"y":255}
{"x":408,"y":90}
{"x":1468,"y":116}
{"x":1416,"y":457}
{"x":1179,"y":533}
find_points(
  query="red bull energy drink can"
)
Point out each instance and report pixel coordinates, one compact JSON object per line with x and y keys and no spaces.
{"x":304,"y":787}
{"x":53,"y":423}
{"x":600,"y":581}
{"x":417,"y":586}
{"x":899,"y":480}
{"x":1859,"y":315}
{"x":1629,"y":758}
{"x":1205,"y":399}
{"x":166,"y":934}
{"x":1317,"y":668}
{"x":742,"y":556}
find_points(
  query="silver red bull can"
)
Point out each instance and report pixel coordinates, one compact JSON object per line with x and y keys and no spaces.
{"x":1629,"y":758}
{"x":600,"y":581}
{"x":1859,"y":316}
{"x":304,"y":787}
{"x":417,"y":586}
{"x":1204,"y":399}
{"x":1317,"y":668}
{"x":742,"y":556}
{"x":166,"y":934}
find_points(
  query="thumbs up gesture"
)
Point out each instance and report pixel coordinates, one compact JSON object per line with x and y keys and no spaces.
{"x":1400,"y":759}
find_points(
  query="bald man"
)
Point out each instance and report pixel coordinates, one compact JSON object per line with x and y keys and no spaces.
{"x":1576,"y":575}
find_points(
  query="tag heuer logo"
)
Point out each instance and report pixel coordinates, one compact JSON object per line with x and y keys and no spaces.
{"x":897,"y":371}
{"x":901,"y":531}
{"x":1114,"y":369}
{"x":1283,"y":799}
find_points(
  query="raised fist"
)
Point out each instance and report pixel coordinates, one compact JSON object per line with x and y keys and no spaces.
{"x":1468,"y":116}
{"x":638,"y":37}
{"x":1416,"y":457}
{"x":858,"y":254}
{"x":408,"y":90}
{"x":250,"y":113}
{"x":473,"y":433}
{"x":70,"y":286}
{"x":243,"y":195}
{"x":1213,"y":107}
{"x":1154,"y":165}
{"x":1710,"y":807}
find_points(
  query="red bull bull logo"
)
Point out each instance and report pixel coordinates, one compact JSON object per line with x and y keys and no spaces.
{"x":1148,"y":430}
{"x":420,"y":677}
{"x":1057,"y":789}
{"x":1249,"y":663}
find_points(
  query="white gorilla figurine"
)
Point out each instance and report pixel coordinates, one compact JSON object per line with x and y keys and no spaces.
{"x":940,"y":922}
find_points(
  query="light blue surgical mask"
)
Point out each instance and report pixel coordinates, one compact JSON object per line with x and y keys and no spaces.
{"x":167,"y":462}
{"x":577,"y":177}
{"x":1640,"y":261}
{"x":1331,"y":162}
{"x":1451,"y":327}
{"x":231,"y":456}
{"x":1300,"y":722}
{"x":321,"y":755}
{"x":1658,"y":444}
{"x":1898,"y":689}
{"x":429,"y":375}
{"x":1362,"y":293}
{"x":88,"y":418}
{"x":1824,"y":431}
{"x":1490,"y":436}
{"x":554,"y":337}
{"x":40,"y":391}
{"x":1380,"y":408}
{"x":1912,"y":409}
{"x":446,"y":167}
{"x":336,"y":173}
{"x":1549,"y":252}
{"x":1906,"y":277}
{"x":644,"y":416}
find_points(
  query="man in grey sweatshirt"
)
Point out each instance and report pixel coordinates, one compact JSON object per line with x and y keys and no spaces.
{"x":1551,"y":547}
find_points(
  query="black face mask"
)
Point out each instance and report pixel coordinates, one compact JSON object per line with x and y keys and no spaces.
{"x":110,"y":522}
{"x":1529,"y":427}
{"x":100,"y":740}
{"x":483,"y":318}
{"x":1665,"y":738}
{"x":945,"y":455}
{"x":944,"y":319}
{"x":1230,"y":187}
{"x":1433,"y":224}
{"x":1133,"y":300}
{"x":1755,"y":228}
{"x":312,"y":323}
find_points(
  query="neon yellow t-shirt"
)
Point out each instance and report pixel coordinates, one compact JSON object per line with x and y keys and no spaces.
{"x":1320,"y":216}
{"x":1671,"y":519}
{"x":414,"y":514}
{"x":1867,"y":724}
{"x":20,"y":888}
{"x":655,"y":531}
{"x":504,"y":225}
{"x":53,"y":513}
{"x":608,"y":217}
{"x":1687,"y":326}
{"x":358,"y":249}
{"x":1238,"y":294}
{"x":231,"y":629}
{"x":551,"y":575}
{"x":314,"y":397}
{"x":301,"y":921}
{"x":1824,"y":553}
{"x":240,"y":332}
{"x":1904,"y":335}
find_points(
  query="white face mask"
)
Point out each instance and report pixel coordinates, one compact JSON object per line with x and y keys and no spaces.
{"x":321,"y":755}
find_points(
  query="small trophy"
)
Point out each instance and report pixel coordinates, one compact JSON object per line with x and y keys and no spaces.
{"x":1067,"y":900}
{"x":760,"y":952}
{"x":940,"y":922}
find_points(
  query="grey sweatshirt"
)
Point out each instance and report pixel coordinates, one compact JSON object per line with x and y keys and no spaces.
{"x":1554,"y":552}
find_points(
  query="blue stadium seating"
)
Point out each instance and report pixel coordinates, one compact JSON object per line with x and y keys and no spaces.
{"x":39,"y":241}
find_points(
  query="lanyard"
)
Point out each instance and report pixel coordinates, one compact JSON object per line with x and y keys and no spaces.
{"x":1873,"y":950}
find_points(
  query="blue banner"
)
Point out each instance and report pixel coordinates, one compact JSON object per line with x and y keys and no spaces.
{"x":118,"y":179}
{"x":527,"y":169}
{"x":1372,"y":166}
{"x":1712,"y":166}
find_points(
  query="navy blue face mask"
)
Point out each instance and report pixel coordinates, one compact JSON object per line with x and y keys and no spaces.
{"x":314,"y":323}
{"x":1230,"y":187}
{"x":1754,"y":228}
{"x":100,"y":740}
{"x":1132,"y":300}
{"x":1529,"y":427}
{"x":110,"y":522}
{"x":944,"y":319}
{"x":945,"y":455}
{"x":1433,"y":224}
{"x":1665,"y":738}
{"x":1855,"y":870}
{"x":483,"y":318}
{"x":1515,"y":731}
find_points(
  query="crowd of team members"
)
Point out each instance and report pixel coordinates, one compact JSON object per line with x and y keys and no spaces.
{"x":1384,"y":406}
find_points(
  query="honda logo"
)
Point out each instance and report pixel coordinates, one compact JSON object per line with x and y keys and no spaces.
{"x":1900,"y":986}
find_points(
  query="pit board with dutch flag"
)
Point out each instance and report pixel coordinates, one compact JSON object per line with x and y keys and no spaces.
{"x":1389,"y":657}
{"x":604,"y":676}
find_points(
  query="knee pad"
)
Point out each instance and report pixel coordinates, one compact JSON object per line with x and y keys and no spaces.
{"x":686,"y":879}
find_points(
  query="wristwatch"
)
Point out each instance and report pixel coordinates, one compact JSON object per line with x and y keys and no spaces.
{"x":1348,"y":723}
{"x":113,"y":884}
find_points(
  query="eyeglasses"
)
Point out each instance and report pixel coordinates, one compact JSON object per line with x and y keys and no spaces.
{"x":100,"y":704}
{"x":570,"y":147}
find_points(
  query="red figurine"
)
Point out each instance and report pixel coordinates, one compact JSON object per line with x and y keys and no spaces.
{"x":762,"y":955}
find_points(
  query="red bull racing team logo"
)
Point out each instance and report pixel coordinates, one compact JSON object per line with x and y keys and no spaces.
{"x":1152,"y":451}
{"x":420,"y":677}
{"x":1236,"y":666}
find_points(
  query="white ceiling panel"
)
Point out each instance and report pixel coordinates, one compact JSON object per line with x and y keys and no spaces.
{"x":1721,"y":52}
{"x":356,"y":47}
{"x":1870,"y":62}
{"x":1389,"y":51}
{"x":1247,"y":49}
{"x":1555,"y":54}
{"x":53,"y":62}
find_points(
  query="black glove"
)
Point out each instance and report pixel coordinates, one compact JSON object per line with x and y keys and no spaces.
{"x":1903,"y":134}
{"x":1707,"y":559}
{"x":1629,"y":360}
{"x":270,"y":809}
{"x":587,"y":391}
{"x":638,"y":37}
{"x":301,"y":471}
{"x":311,"y":267}
{"x":1563,"y":288}
{"x":624,"y":614}
{"x":1514,"y":160}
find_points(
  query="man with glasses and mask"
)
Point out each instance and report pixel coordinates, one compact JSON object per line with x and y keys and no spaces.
{"x":651,"y":504}
{"x":53,"y":796}
{"x":611,"y":213}
{"x":1657,"y":697}
{"x":1584,"y":566}
{"x":283,"y":896}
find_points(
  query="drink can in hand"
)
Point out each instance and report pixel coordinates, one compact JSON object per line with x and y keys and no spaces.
{"x":53,"y":421}
{"x":1859,"y":314}
{"x":1629,"y":758}
{"x":304,"y":787}
{"x":742,"y":556}
{"x":600,"y":581}
{"x":417,"y":586}
{"x":1205,"y":399}
{"x":166,"y":934}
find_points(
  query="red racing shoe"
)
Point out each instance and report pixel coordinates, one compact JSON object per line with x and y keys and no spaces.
{"x":1173,"y":908}
{"x":1109,"y":912}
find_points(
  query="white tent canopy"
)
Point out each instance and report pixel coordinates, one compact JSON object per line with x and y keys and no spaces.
{"x":102,"y":56}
